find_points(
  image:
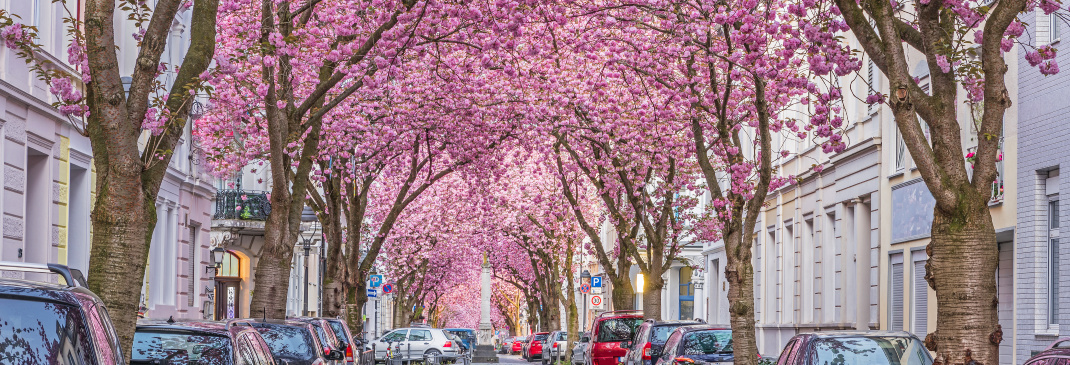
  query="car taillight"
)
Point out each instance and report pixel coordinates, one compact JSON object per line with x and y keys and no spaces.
{"x":326,"y":350}
{"x":448,"y":344}
{"x":646,"y":351}
{"x":555,"y":345}
{"x":349,"y":353}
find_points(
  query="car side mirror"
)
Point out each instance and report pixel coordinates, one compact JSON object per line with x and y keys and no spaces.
{"x":683,"y":360}
{"x":585,"y":339}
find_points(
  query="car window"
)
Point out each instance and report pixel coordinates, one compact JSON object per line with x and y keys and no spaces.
{"x":326,"y":337}
{"x":871,"y":350}
{"x":290,"y":342}
{"x":396,"y":336}
{"x":419,"y":335}
{"x":708,"y":342}
{"x":539,"y":337}
{"x":660,"y":333}
{"x":246,"y":354}
{"x":340,"y":332}
{"x":181,"y":347}
{"x":36,"y":332}
{"x":261,"y":348}
{"x":618,"y":329}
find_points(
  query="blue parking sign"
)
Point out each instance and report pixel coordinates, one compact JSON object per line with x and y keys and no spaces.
{"x":596,"y":281}
{"x":375,"y":281}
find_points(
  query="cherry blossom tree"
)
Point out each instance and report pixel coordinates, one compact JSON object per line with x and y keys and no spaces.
{"x":129,"y":176}
{"x":964,"y":45}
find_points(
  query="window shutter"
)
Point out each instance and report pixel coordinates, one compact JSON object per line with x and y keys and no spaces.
{"x":871,"y":74}
{"x":1043,"y":26}
{"x":921,"y":296}
{"x":896,"y":296}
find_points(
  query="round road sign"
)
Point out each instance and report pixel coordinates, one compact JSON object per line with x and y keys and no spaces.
{"x":585,"y":288}
{"x":596,"y":300}
{"x":388,"y":288}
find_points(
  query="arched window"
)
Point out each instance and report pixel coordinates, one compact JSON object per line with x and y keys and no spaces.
{"x":687,"y":294}
{"x":231,"y":265}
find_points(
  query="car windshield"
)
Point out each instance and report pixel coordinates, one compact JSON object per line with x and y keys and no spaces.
{"x":661,"y":333}
{"x":871,"y":350}
{"x":561,"y":336}
{"x":181,"y":347}
{"x":36,"y":332}
{"x":289,"y":342}
{"x":618,"y":329}
{"x":325,"y":336}
{"x":708,"y":342}
{"x":540,"y":336}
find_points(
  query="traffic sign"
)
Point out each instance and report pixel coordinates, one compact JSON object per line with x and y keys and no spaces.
{"x":596,"y":281}
{"x":375,"y":281}
{"x":585,"y":288}
{"x":388,"y":288}
{"x":373,"y":293}
{"x":596,"y":302}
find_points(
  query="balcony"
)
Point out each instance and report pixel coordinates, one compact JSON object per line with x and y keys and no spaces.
{"x":242,"y":204}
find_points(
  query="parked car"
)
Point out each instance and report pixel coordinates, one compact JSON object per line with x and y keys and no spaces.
{"x":703,"y":344}
{"x":350,"y":345}
{"x":875,"y":347}
{"x":416,"y":343}
{"x":1058,"y":353}
{"x":579,"y":349}
{"x":292,"y":342}
{"x":48,"y":323}
{"x":333,"y":351}
{"x":533,"y":348}
{"x":467,"y":336}
{"x":554,"y":344}
{"x":609,"y":329}
{"x":518,"y":345}
{"x":507,"y":343}
{"x":649,"y":340}
{"x":198,"y":342}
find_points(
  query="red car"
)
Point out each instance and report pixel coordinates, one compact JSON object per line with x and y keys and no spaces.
{"x":609,"y":330}
{"x":533,"y":348}
{"x":518,"y":345}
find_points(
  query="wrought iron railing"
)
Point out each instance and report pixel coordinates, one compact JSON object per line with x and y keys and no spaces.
{"x":241,"y":204}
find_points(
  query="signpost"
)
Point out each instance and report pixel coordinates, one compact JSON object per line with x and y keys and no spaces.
{"x":388,"y":288}
{"x":375,"y":281}
{"x":596,"y":284}
{"x":596,"y":302}
{"x":585,"y":288}
{"x":373,"y":293}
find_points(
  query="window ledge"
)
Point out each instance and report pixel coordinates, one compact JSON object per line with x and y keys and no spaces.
{"x":896,"y":174}
{"x":1047,"y":332}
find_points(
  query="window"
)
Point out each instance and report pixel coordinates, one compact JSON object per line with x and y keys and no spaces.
{"x":419,"y":335}
{"x":920,"y":294}
{"x":757,"y":277}
{"x":871,"y":81}
{"x":1054,"y":262}
{"x":231,"y":266}
{"x":687,"y":294}
{"x":900,"y":151}
{"x":1053,"y":26}
{"x":895,"y":279}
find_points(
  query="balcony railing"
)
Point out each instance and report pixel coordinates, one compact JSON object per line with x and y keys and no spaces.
{"x":241,"y":204}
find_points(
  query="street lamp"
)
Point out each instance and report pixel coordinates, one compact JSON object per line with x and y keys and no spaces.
{"x":307,"y":215}
{"x":217,"y":260}
{"x":585,"y":276}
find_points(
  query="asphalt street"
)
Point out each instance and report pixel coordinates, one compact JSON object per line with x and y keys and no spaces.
{"x":512,"y":359}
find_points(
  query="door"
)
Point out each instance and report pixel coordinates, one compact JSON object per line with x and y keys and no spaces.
{"x":419,"y":342}
{"x":228,"y":300}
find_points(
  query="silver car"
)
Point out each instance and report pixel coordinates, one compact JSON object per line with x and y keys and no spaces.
{"x":554,"y":344}
{"x":579,"y":349}
{"x":415,"y":343}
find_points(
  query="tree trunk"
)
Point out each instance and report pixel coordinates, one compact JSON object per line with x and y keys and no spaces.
{"x":273,"y":266}
{"x":573,"y":323}
{"x":967,"y":321}
{"x":652,"y":286}
{"x":622,"y":294}
{"x":122,"y":227}
{"x":739,"y":271}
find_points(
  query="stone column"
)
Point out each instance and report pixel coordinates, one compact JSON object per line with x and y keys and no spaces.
{"x":484,"y":351}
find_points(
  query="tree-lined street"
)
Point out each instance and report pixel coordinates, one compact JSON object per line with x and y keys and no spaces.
{"x":580,"y":173}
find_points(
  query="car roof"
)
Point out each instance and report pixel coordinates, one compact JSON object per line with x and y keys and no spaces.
{"x":838,"y":334}
{"x":185,"y":325}
{"x":37,"y":290}
{"x":672,"y":322}
{"x":702,"y":327}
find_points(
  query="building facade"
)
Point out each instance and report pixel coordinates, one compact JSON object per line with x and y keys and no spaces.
{"x":1040,"y":299}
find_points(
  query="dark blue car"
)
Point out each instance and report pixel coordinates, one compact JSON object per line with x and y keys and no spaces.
{"x":697,"y":345}
{"x":467,"y":336}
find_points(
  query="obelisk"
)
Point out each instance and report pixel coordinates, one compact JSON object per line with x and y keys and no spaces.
{"x":485,"y":338}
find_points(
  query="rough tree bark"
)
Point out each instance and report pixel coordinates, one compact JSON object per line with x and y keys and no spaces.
{"x":963,"y":253}
{"x":128,"y":179}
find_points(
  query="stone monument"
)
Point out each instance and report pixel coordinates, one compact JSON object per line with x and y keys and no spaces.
{"x":484,"y":351}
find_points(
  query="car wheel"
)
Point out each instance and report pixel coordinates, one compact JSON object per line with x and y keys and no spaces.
{"x":432,"y":355}
{"x":544,"y":362}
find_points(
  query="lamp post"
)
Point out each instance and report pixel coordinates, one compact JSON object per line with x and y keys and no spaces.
{"x":217,"y":260}
{"x":585,"y":276}
{"x":307,"y":216}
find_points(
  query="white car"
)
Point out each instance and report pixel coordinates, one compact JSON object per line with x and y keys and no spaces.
{"x":554,"y":345}
{"x":415,"y":344}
